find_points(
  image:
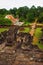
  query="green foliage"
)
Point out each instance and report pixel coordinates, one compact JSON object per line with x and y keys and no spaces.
{"x":40,"y":19}
{"x":13,"y":11}
{"x":3,"y":11}
{"x":26,"y":23}
{"x":30,"y":17}
{"x":23,"y":13}
{"x":5,"y":21}
{"x":21,"y":19}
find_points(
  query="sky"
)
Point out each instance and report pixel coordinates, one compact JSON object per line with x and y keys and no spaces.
{"x":19,"y":3}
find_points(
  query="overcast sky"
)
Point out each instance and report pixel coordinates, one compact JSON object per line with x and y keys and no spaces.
{"x":19,"y":3}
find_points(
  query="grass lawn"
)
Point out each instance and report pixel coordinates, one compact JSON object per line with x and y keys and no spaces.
{"x":37,"y":35}
{"x":26,"y":30}
{"x":3,"y":29}
{"x":38,"y":32}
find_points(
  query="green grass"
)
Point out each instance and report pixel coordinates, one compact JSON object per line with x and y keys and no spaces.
{"x":40,"y":45}
{"x":38,"y":32}
{"x":38,"y":35}
{"x":26,"y":30}
{"x":3,"y":29}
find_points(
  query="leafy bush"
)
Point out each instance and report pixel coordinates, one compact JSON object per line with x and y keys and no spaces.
{"x":5,"y":21}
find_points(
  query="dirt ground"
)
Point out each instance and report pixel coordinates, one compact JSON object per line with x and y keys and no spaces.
{"x":8,"y":56}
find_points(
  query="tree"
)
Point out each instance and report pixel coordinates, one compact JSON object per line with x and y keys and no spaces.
{"x":5,"y":21}
{"x":13,"y":11}
{"x":3,"y":11}
{"x":22,"y":11}
{"x":40,"y":19}
{"x":30,"y":17}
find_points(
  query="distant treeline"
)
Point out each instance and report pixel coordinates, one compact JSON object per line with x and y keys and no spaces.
{"x":24,"y":14}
